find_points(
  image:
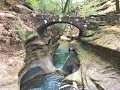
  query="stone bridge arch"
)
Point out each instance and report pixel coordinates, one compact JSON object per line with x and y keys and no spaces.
{"x":44,"y":21}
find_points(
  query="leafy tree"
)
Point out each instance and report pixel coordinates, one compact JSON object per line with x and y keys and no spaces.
{"x":49,"y":6}
{"x":66,"y":5}
{"x":33,"y":2}
{"x":63,"y":6}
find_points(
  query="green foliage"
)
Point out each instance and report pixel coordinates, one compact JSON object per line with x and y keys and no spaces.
{"x":56,"y":7}
{"x":24,"y":34}
{"x":101,"y":1}
{"x":86,"y":9}
{"x":31,"y":34}
{"x":81,"y":9}
{"x":62,"y":26}
{"x":50,"y":6}
{"x":110,"y":31}
{"x":33,"y":2}
{"x":71,"y":9}
{"x":23,"y":52}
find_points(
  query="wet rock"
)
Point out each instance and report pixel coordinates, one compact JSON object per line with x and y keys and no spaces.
{"x":70,"y":86}
{"x":33,"y":71}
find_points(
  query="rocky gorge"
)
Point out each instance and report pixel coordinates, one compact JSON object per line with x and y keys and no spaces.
{"x":28,"y":54}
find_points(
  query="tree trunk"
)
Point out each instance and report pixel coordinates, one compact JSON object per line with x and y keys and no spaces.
{"x":62,"y":5}
{"x":66,"y":5}
{"x":117,"y":6}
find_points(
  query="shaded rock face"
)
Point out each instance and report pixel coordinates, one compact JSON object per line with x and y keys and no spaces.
{"x":31,"y":72}
{"x":71,"y":65}
{"x":39,"y":53}
{"x":95,"y":72}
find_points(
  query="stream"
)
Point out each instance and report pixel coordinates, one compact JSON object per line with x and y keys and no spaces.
{"x":51,"y":81}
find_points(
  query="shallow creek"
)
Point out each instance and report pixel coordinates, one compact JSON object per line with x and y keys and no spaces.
{"x":51,"y":81}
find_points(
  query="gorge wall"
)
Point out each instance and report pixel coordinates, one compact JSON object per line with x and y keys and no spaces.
{"x":26,"y":55}
{"x":39,"y":55}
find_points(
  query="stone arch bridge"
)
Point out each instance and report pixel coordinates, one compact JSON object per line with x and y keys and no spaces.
{"x":43,"y":21}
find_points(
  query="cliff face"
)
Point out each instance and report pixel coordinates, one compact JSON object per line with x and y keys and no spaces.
{"x":13,"y":34}
{"x":11,"y":61}
{"x":39,"y":53}
{"x":99,"y":56}
{"x":24,"y":53}
{"x":107,"y":7}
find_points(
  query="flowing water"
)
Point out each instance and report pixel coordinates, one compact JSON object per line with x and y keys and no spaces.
{"x":51,"y":81}
{"x":60,"y":56}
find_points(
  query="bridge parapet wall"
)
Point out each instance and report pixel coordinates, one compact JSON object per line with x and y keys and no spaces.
{"x":43,"y":21}
{"x":108,"y":18}
{"x":100,"y":20}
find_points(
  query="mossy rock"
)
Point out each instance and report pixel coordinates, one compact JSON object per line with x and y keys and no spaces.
{"x":86,"y":39}
{"x":88,"y":33}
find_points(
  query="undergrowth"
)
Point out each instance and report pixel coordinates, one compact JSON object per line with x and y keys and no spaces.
{"x":24,"y":34}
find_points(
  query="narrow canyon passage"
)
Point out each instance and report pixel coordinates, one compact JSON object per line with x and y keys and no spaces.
{"x":30,"y":31}
{"x":93,"y":73}
{"x":50,"y":81}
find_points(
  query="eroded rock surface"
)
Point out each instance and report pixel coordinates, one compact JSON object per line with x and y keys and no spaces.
{"x":11,"y":45}
{"x":101,"y":72}
{"x":72,"y":63}
{"x":11,"y":61}
{"x":94,"y":72}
